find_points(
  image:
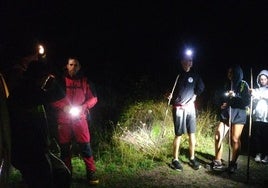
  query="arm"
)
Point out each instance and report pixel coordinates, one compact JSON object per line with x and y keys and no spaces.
{"x":90,"y":95}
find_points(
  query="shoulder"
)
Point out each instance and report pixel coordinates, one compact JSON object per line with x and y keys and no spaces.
{"x":244,"y":83}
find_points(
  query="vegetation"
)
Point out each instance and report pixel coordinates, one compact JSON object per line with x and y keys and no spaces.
{"x":141,"y":139}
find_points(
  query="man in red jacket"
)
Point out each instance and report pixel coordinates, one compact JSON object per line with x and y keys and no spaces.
{"x":71,"y":117}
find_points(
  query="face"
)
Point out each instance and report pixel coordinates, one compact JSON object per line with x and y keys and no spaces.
{"x":73,"y":67}
{"x":186,"y":64}
{"x":263,"y":80}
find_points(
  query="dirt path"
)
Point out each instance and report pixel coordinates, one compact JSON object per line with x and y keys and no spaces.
{"x":165,"y":177}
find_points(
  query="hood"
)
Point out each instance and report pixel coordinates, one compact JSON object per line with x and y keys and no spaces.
{"x":237,"y":75}
{"x":263,"y":72}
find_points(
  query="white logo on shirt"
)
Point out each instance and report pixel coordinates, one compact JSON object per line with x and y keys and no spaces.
{"x":190,"y":79}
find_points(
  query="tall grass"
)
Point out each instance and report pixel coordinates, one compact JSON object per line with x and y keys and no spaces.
{"x":143,"y":136}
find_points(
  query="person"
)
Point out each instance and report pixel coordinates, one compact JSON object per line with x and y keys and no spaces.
{"x":29,"y":90}
{"x":233,"y":115}
{"x":80,"y":98}
{"x":260,"y":117}
{"x":5,"y":141}
{"x":187,"y":87}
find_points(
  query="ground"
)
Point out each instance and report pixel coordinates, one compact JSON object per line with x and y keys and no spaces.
{"x":165,"y":177}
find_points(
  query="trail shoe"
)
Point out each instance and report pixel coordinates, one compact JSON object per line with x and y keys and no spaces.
{"x":91,"y":176}
{"x":194,"y":164}
{"x":258,"y":158}
{"x":175,"y":164}
{"x":265,"y":160}
{"x":232,"y":167}
{"x":216,"y":165}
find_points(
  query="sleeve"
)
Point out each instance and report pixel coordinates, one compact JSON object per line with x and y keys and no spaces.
{"x":242,"y":99}
{"x":91,"y":96}
{"x":200,"y":86}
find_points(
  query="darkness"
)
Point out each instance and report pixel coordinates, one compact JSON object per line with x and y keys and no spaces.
{"x":115,"y":40}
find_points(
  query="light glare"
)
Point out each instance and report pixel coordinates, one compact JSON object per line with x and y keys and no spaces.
{"x":74,"y":111}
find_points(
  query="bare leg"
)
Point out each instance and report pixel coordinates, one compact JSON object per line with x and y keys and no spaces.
{"x":220,"y":133}
{"x":176,"y":147}
{"x":236,"y":142}
{"x":192,"y":142}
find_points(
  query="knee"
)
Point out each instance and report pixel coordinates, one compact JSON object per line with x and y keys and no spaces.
{"x":85,"y":149}
{"x":217,"y":136}
{"x":235,"y":140}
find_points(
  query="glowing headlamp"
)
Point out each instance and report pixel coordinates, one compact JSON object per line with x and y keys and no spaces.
{"x":75,"y":111}
{"x":41,"y":49}
{"x":188,"y":54}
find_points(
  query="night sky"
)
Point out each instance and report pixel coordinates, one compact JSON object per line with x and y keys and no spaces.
{"x":128,"y":38}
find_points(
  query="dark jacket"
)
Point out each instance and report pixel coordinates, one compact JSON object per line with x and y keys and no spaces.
{"x":241,"y":89}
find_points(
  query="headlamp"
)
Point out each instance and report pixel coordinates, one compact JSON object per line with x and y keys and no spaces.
{"x":74,"y":111}
{"x":41,"y":51}
{"x":189,"y":52}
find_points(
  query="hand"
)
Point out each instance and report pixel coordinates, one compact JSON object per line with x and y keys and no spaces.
{"x":230,"y":93}
{"x":67,"y":108}
{"x":193,"y":98}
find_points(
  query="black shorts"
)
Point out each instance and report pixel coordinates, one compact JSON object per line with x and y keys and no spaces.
{"x":238,"y":116}
{"x":184,"y":120}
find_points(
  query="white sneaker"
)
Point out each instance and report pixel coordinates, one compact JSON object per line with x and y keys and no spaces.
{"x":258,"y":158}
{"x":265,"y":160}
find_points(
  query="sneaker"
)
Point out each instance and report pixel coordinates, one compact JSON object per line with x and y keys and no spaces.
{"x":194,"y":164}
{"x":175,"y":164}
{"x":91,"y":176}
{"x":265,"y":160}
{"x":216,"y":165}
{"x":258,"y":158}
{"x":232,"y":167}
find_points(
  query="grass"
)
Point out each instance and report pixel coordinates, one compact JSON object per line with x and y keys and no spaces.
{"x":140,"y":140}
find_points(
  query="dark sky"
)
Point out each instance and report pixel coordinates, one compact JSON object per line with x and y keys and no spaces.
{"x":120,"y":37}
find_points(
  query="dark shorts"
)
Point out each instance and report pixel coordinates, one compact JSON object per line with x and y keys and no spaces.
{"x":238,"y":116}
{"x":184,"y":120}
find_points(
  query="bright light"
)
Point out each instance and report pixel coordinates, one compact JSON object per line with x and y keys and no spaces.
{"x":75,"y":111}
{"x":41,"y":49}
{"x":230,"y":94}
{"x":189,"y":52}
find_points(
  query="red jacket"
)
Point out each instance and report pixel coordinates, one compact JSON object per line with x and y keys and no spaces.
{"x":78,"y":93}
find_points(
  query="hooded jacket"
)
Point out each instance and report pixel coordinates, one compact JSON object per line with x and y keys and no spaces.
{"x":260,"y":100}
{"x":240,"y":87}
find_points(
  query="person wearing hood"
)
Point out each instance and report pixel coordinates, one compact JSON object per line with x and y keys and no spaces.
{"x":71,"y":117}
{"x":260,"y":117}
{"x":233,"y":114}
